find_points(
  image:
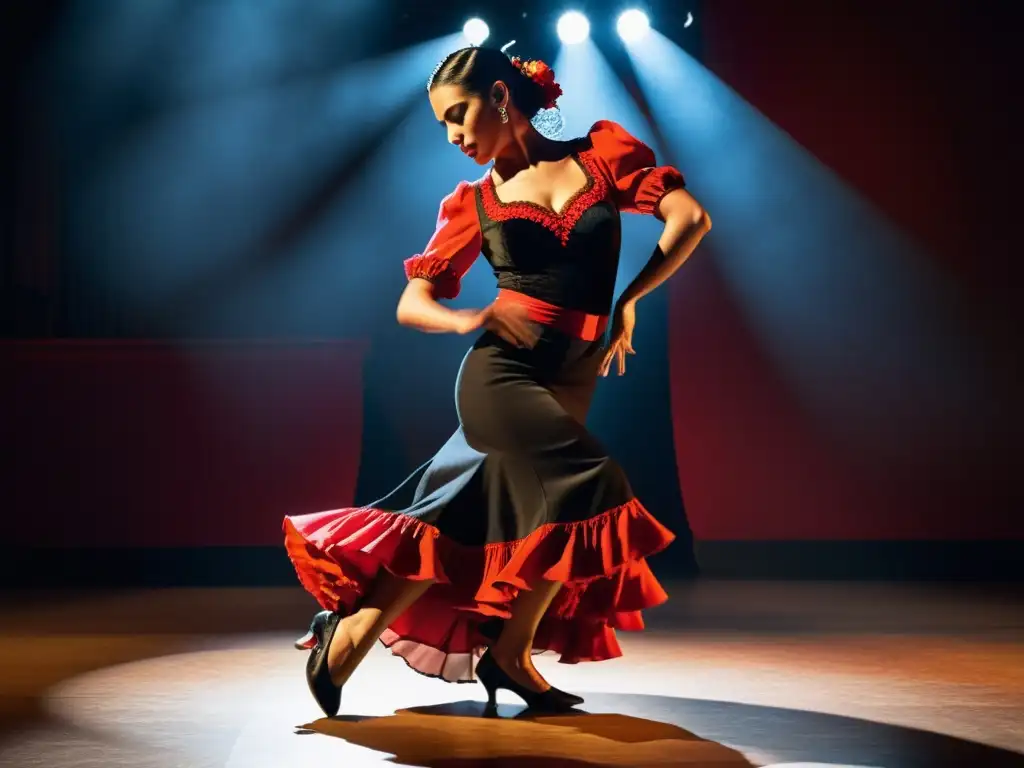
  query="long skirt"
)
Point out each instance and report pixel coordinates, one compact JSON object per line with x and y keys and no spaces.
{"x":521,"y":492}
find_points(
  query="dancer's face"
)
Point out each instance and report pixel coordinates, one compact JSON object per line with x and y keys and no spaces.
{"x":473,"y":122}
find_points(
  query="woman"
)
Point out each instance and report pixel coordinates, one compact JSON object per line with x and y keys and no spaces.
{"x":521,"y":534}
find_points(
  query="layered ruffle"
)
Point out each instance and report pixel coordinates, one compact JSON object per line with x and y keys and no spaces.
{"x":601,"y":561}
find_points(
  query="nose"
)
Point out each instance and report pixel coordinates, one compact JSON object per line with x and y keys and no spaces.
{"x":455,"y":136}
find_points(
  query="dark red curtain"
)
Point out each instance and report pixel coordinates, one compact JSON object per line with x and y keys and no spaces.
{"x":175,"y":444}
{"x":906,"y":103}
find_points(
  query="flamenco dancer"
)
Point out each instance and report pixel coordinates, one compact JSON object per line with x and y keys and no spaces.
{"x":521,"y":534}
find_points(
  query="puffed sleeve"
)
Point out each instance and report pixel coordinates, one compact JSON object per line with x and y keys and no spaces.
{"x":453,"y":247}
{"x":638,"y":181}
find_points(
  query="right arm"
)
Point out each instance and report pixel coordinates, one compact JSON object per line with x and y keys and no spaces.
{"x":437,"y":274}
{"x":417,"y":308}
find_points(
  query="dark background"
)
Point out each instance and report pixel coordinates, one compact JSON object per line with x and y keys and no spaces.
{"x":154,"y":440}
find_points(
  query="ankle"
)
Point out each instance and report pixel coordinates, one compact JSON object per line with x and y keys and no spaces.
{"x":515,"y":657}
{"x":356,"y":625}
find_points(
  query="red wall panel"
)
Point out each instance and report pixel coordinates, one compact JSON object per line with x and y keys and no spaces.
{"x":908,"y":108}
{"x":175,"y":444}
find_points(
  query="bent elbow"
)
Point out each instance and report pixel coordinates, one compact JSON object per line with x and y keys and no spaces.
{"x":703,"y":220}
{"x":402,"y":311}
{"x":402,"y":314}
{"x":410,"y":303}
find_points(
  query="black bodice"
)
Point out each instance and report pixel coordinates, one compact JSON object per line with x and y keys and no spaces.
{"x":569,"y":258}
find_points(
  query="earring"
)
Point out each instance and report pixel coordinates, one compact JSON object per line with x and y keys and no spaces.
{"x":503,"y":114}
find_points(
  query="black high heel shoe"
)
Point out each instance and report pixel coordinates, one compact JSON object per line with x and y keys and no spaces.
{"x":494,"y":678}
{"x":318,"y":674}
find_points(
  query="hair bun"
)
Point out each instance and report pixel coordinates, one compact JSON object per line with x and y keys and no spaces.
{"x":542,"y":75}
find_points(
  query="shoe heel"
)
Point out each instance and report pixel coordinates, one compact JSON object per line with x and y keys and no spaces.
{"x":311,"y":639}
{"x":494,"y":677}
{"x":492,"y":696}
{"x":483,"y":674}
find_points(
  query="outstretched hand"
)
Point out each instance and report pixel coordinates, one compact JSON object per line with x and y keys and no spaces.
{"x":620,"y":340}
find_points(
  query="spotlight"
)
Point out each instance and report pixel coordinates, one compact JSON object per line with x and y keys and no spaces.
{"x":573,"y":28}
{"x":475,"y":31}
{"x":633,"y":25}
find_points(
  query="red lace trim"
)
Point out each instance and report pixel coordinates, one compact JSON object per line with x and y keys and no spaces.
{"x":562,"y":222}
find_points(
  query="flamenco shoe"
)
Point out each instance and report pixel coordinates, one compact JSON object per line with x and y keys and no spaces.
{"x":494,"y":678}
{"x":318,"y":674}
{"x":308,"y":641}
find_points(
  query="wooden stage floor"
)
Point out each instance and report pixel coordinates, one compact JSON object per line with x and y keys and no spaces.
{"x":867,"y":675}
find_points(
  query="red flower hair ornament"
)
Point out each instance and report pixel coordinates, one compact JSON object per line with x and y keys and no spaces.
{"x":542,"y":75}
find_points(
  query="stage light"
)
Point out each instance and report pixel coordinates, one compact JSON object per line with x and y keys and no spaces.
{"x":573,"y":28}
{"x":475,"y":31}
{"x":633,"y":25}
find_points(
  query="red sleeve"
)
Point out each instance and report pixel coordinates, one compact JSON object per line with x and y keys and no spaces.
{"x":638,"y":181}
{"x":454,"y":246}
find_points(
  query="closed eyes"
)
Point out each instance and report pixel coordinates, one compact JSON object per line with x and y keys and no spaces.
{"x":454,"y":114}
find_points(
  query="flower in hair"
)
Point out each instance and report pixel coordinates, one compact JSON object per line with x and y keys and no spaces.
{"x":542,"y":75}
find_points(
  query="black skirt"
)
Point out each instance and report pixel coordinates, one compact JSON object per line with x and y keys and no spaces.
{"x":521,"y":492}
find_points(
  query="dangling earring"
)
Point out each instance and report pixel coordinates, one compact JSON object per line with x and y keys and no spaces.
{"x":503,"y":114}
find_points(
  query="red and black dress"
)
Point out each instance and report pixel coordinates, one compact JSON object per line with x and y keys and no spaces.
{"x":521,"y":491}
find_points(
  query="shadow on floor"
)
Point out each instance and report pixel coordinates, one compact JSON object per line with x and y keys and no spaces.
{"x":463,"y":734}
{"x":637,"y":730}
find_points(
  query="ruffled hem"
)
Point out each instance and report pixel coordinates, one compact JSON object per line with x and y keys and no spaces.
{"x":601,"y":561}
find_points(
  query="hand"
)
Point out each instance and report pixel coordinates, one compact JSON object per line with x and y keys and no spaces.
{"x":508,"y":320}
{"x":620,"y":340}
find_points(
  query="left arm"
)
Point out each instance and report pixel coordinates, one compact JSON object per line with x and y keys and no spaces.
{"x":686,"y":223}
{"x":641,"y":186}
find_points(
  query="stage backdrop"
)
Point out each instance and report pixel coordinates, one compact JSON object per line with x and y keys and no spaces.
{"x":907,"y":109}
{"x":174,"y":445}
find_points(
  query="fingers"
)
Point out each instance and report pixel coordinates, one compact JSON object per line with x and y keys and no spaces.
{"x":507,"y":336}
{"x":616,"y":353}
{"x":517,"y":333}
{"x":512,"y":323}
{"x":527,"y":333}
{"x":524,"y":333}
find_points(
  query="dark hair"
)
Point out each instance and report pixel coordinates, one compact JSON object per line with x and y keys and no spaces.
{"x":477,"y":69}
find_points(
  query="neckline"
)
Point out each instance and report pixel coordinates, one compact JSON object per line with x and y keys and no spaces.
{"x":566,"y":207}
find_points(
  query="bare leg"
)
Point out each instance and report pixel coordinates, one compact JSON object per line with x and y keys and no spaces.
{"x":387,"y":600}
{"x":513,"y":648}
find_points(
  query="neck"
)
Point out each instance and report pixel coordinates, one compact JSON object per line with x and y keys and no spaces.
{"x":525,"y":149}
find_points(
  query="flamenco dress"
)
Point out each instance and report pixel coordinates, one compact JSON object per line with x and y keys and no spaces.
{"x":521,"y":491}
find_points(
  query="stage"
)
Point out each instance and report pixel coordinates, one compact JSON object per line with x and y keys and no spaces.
{"x":729,"y":673}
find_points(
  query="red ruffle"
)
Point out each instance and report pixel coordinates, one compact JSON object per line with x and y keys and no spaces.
{"x":653,"y":184}
{"x":639,"y":182}
{"x":437,"y":270}
{"x":600,"y":560}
